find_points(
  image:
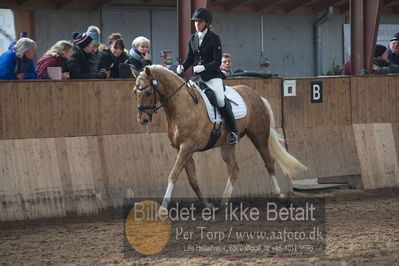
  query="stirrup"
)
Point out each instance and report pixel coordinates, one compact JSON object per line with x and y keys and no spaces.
{"x":234,"y":138}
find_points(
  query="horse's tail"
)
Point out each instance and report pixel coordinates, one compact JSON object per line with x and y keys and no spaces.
{"x":288,"y":163}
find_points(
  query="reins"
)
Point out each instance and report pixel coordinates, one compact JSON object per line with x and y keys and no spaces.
{"x":154,"y":108}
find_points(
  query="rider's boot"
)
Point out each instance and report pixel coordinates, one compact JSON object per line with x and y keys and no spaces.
{"x":228,"y":116}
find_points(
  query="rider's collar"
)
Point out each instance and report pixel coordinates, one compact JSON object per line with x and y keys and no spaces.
{"x":201,"y":34}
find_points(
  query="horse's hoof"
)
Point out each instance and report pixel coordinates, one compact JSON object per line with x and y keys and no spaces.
{"x":209,"y":205}
{"x":283,"y":199}
{"x":224,"y":203}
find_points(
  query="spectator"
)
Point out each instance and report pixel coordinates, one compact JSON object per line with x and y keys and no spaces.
{"x":226,"y":65}
{"x":57,"y":56}
{"x":381,"y":65}
{"x":94,"y":33}
{"x":79,"y":65}
{"x":393,"y":52}
{"x":140,"y":56}
{"x":17,"y":62}
{"x":114,"y":56}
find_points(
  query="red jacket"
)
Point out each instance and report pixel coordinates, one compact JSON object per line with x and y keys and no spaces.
{"x":49,"y":61}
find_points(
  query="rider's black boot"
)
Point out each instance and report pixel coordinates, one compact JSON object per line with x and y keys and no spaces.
{"x":228,"y":116}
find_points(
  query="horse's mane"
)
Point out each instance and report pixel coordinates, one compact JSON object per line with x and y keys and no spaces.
{"x":158,"y":70}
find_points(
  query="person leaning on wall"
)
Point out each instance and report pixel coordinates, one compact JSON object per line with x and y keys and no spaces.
{"x":56,"y":56}
{"x":140,"y":56}
{"x":381,"y":65}
{"x":393,"y":51}
{"x":17,"y":62}
{"x":79,"y":65}
{"x":113,"y":56}
{"x":94,"y":33}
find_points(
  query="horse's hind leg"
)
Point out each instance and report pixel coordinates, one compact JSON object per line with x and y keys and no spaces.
{"x":262,"y":145}
{"x":232,"y":168}
{"x":192,"y":179}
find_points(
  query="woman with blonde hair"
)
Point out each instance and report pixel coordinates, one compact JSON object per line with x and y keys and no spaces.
{"x":17,"y":62}
{"x":140,"y":56}
{"x":56,"y":56}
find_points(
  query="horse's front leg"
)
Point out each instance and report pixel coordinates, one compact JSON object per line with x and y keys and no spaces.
{"x":183,"y":156}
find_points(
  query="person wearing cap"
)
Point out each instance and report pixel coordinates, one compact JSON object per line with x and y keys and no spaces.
{"x":17,"y":62}
{"x":381,"y":65}
{"x":79,"y":67}
{"x":94,"y":33}
{"x":393,"y":51}
{"x":205,"y":53}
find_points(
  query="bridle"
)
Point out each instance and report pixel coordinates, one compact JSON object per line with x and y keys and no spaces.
{"x":153,"y":108}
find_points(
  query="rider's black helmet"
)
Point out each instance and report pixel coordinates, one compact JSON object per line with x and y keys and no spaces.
{"x":202,"y":14}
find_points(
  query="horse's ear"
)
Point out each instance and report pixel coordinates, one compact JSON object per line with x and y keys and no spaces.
{"x":134,"y":72}
{"x":147,"y":71}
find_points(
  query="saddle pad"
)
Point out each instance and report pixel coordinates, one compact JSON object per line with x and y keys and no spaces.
{"x":237,"y":104}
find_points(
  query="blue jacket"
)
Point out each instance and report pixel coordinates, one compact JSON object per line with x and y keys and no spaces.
{"x":10,"y":65}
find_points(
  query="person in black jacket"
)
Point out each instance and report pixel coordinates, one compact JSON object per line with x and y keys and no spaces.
{"x":139,"y":54}
{"x":79,"y":65}
{"x":381,"y":65}
{"x":393,"y":51}
{"x":205,"y":52}
{"x":113,"y":56}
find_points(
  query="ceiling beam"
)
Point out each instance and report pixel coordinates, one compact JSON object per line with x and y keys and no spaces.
{"x":99,"y":4}
{"x":327,"y":3}
{"x":322,"y":5}
{"x":391,"y":4}
{"x":292,"y":5}
{"x":344,"y":6}
{"x":63,"y":3}
{"x":264,"y":4}
{"x":22,"y":2}
{"x":234,"y":5}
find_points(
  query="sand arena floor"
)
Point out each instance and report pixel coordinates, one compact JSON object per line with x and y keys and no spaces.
{"x":362,"y":229}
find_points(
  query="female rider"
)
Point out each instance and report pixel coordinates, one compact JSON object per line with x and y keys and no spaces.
{"x":205,"y":51}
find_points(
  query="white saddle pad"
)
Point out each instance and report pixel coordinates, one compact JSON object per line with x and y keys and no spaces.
{"x":237,"y":104}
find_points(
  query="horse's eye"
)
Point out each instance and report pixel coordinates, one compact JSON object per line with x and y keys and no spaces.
{"x":148,"y":93}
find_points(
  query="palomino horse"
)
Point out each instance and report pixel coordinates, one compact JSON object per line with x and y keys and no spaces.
{"x":189,"y":128}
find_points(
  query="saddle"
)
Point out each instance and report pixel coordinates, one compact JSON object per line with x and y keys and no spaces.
{"x":209,"y":97}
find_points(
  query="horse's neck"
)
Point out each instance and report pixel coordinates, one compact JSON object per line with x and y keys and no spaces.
{"x":174,"y":101}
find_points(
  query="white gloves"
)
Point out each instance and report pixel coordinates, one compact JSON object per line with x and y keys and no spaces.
{"x":198,"y":69}
{"x":179,"y":69}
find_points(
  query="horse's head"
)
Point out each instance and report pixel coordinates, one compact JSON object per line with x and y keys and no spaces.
{"x":147,"y":93}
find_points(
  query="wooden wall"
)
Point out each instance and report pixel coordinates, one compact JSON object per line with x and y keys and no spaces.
{"x":76,"y":146}
{"x":327,"y":136}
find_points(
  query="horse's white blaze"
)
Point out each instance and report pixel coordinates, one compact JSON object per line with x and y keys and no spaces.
{"x":276,"y":187}
{"x":168,"y":195}
{"x":228,"y":190}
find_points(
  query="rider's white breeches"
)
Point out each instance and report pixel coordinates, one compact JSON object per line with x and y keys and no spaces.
{"x":216,"y":85}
